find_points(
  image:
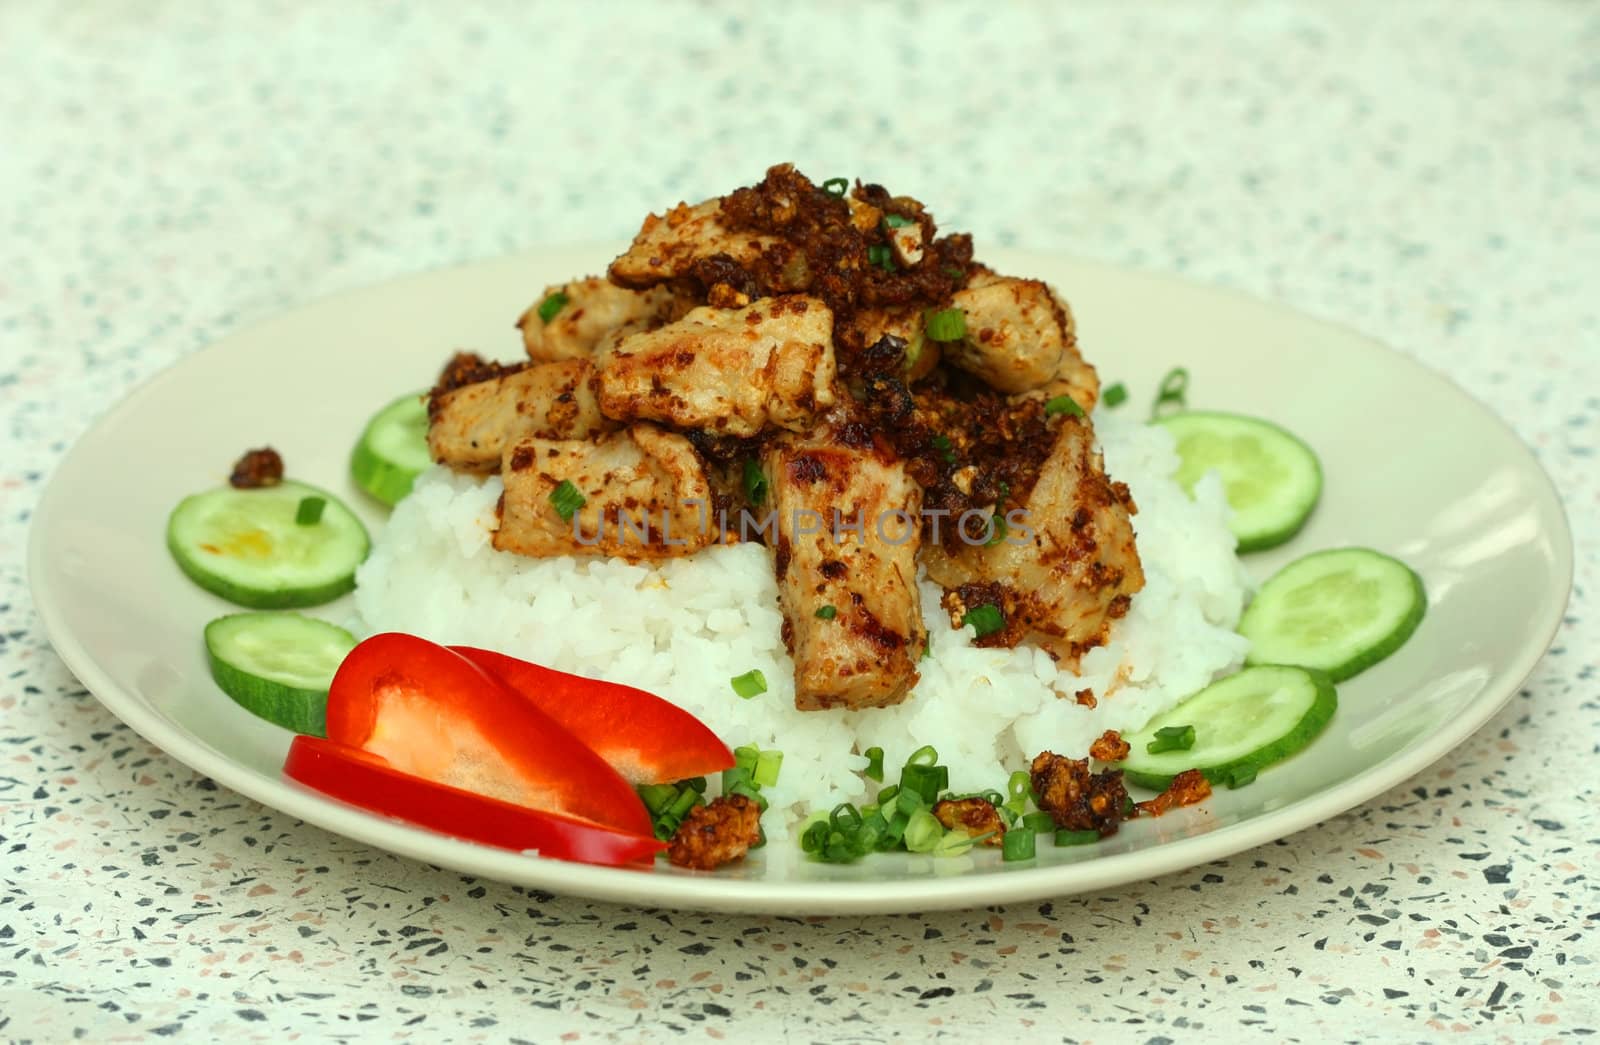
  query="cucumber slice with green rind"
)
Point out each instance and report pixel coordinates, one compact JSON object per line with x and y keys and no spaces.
{"x":1272,"y":479}
{"x":1242,"y":724}
{"x":393,"y":450}
{"x":245,"y":545}
{"x":278,"y":666}
{"x":1339,"y":611}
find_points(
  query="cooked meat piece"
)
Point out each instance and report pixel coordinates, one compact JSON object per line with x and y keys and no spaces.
{"x":1109,"y":747}
{"x":716,"y":834}
{"x":1016,"y":333}
{"x":257,"y":468}
{"x":644,"y":489}
{"x":1077,"y":799}
{"x":1072,"y":567}
{"x":727,"y":371}
{"x":1074,"y":376}
{"x":1187,"y":788}
{"x":847,"y":537}
{"x":975,"y":816}
{"x":594,"y":308}
{"x":470,"y":426}
{"x":668,"y":246}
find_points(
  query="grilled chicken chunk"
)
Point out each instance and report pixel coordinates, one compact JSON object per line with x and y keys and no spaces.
{"x":644,"y":489}
{"x":730,"y":371}
{"x":668,"y":246}
{"x":594,"y":307}
{"x":1016,"y":333}
{"x":1070,"y":573}
{"x":907,"y":324}
{"x":848,"y":534}
{"x":1074,"y":375}
{"x":469,"y":427}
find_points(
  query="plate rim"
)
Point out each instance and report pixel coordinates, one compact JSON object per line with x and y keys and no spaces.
{"x":692,"y":891}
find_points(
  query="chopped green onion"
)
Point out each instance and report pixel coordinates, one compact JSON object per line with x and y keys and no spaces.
{"x":874,"y":770}
{"x":909,"y":801}
{"x":836,"y":186}
{"x":945,"y":324}
{"x":696,"y":784}
{"x":894,"y":830}
{"x":887,"y":794}
{"x":1063,"y":405}
{"x":1171,"y":738}
{"x":879,"y":254}
{"x":755,"y":482}
{"x":925,"y":782}
{"x":686,"y":800}
{"x":896,"y":221}
{"x":826,"y":612}
{"x":1241,"y":777}
{"x":954,"y":843}
{"x":1018,"y":844}
{"x":927,"y":755}
{"x":751,"y":792}
{"x":1039,"y":822}
{"x":1019,"y":786}
{"x":752,"y":683}
{"x":1174,"y":392}
{"x":732,"y":778}
{"x":1127,"y":806}
{"x":1115,"y":396}
{"x":1000,"y":529}
{"x":927,"y":650}
{"x":567,"y":499}
{"x":942,"y":444}
{"x":665,"y":830}
{"x":845,"y":818}
{"x":923,"y":832}
{"x":551,"y":305}
{"x":985,"y":620}
{"x":767,"y":768}
{"x":814,"y":837}
{"x":309,"y":511}
{"x":657,"y":797}
{"x":870,"y":810}
{"x":745,"y":757}
{"x":1066,"y":837}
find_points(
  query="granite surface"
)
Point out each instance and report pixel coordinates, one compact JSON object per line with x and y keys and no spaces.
{"x":1428,"y":172}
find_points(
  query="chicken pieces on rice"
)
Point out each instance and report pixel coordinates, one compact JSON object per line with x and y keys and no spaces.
{"x":768,"y":356}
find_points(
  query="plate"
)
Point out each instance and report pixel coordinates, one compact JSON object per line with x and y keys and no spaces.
{"x":1414,"y":467}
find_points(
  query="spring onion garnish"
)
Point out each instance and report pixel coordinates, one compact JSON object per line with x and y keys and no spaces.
{"x":567,"y":499}
{"x":751,"y":684}
{"x":954,"y":843}
{"x":945,"y":324}
{"x":1019,"y":788}
{"x":985,"y":620}
{"x":1171,"y":738}
{"x":755,"y":482}
{"x":1039,"y":822}
{"x":874,"y":770}
{"x":941,"y":443}
{"x":1115,"y":396}
{"x":551,"y":305}
{"x":836,"y":186}
{"x":896,"y":221}
{"x":1018,"y":844}
{"x":923,"y":832}
{"x":309,"y":511}
{"x":1063,"y":405}
{"x":879,"y":254}
{"x":826,"y":612}
{"x":1241,"y":777}
{"x":768,"y":764}
{"x":926,"y":755}
{"x":1174,"y":393}
{"x":1066,"y":837}
{"x":1000,"y":529}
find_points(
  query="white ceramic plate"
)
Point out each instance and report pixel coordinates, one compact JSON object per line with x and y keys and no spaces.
{"x":1413,"y":467}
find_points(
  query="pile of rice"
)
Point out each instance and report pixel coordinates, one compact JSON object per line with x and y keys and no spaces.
{"x":683,"y":628}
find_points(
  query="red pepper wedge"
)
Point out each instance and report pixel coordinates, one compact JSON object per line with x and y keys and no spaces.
{"x":431,"y":713}
{"x":646,"y":739}
{"x":361,"y":779}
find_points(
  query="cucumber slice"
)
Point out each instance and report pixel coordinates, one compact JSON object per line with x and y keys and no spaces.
{"x":245,"y":546}
{"x":1339,"y":611}
{"x":1242,"y":724}
{"x":278,"y":665}
{"x":1272,"y":479}
{"x":393,"y":449}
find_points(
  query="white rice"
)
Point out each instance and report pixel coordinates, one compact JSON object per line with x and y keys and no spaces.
{"x":683,"y":628}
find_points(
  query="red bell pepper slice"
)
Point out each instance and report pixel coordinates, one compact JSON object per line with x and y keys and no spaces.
{"x":431,"y":713}
{"x":646,"y":739}
{"x":361,"y":779}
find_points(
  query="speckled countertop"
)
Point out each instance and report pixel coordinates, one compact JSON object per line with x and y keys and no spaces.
{"x":1428,"y":172}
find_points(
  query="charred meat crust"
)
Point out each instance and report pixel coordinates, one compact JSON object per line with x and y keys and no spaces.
{"x":716,"y":834}
{"x":257,"y":468}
